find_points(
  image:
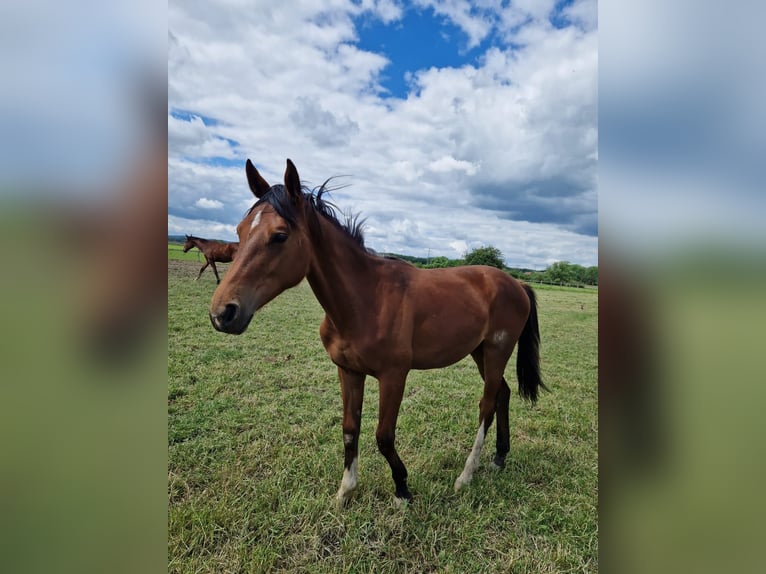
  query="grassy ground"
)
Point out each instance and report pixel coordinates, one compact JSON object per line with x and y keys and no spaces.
{"x":255,"y":452}
{"x":176,"y":253}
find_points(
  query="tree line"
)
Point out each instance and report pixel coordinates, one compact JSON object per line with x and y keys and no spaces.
{"x":559,"y":273}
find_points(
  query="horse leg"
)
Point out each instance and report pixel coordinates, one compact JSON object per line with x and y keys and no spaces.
{"x":203,"y":268}
{"x":503,"y":444}
{"x":391,"y":393}
{"x":352,"y":394}
{"x":218,"y":279}
{"x":503,"y":431}
{"x":494,"y":361}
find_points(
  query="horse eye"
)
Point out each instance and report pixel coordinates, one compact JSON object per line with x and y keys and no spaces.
{"x":278,"y":238}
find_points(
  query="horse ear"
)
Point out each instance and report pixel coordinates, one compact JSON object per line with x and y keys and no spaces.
{"x":292,"y":181}
{"x":257,"y":184}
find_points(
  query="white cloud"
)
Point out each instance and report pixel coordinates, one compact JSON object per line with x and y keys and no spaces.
{"x":387,"y":11}
{"x":472,"y":19}
{"x":194,"y":138}
{"x":202,"y":228}
{"x":206,"y":203}
{"x":460,"y":247}
{"x":448,"y":163}
{"x":583,"y":13}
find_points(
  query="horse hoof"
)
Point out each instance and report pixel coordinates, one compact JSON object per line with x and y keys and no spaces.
{"x":461,"y":482}
{"x":341,"y":501}
{"x":402,"y":502}
{"x":498,"y":463}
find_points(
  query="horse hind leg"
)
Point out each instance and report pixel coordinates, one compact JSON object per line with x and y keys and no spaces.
{"x":491,"y":360}
{"x":201,"y":270}
{"x":503,"y":444}
{"x":215,"y":270}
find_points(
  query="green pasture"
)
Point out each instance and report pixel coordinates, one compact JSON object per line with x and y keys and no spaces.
{"x":255,"y":451}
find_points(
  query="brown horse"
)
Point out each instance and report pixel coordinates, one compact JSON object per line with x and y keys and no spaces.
{"x":213,"y":251}
{"x":384,"y":317}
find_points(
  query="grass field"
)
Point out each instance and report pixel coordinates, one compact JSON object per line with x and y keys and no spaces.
{"x":176,"y":253}
{"x":256,"y":452}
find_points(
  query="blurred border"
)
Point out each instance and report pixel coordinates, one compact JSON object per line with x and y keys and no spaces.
{"x":83,"y":191}
{"x":681,"y":282}
{"x":83,"y":292}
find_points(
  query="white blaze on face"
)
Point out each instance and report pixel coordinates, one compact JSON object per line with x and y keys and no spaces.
{"x":472,"y":462}
{"x":256,"y":220}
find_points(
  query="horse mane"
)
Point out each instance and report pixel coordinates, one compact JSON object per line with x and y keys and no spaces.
{"x":351,"y":224}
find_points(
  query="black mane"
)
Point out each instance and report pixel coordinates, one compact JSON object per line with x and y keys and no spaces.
{"x":278,"y":198}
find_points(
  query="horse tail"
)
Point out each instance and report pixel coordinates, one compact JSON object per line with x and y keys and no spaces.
{"x":528,"y":355}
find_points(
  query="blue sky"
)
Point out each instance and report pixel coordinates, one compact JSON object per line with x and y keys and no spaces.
{"x":417,"y":41}
{"x":460,"y":124}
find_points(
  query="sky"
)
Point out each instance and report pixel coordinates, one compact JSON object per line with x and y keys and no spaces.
{"x":453,"y":124}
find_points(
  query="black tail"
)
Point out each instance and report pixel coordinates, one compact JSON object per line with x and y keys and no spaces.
{"x":528,"y":354}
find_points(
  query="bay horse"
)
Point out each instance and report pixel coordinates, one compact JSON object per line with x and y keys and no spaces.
{"x":383,"y":316}
{"x":213,"y":251}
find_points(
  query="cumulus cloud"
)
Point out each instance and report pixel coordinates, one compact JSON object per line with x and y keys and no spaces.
{"x":206,"y":203}
{"x":322,"y":126}
{"x":192,"y":138}
{"x":387,"y":11}
{"x":475,"y":20}
{"x":448,"y":163}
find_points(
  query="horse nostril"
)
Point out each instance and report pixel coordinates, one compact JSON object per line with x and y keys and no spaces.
{"x":229,"y":312}
{"x":221,"y":321}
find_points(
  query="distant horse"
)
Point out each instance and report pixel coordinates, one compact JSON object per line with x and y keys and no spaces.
{"x":383,"y":318}
{"x":213,"y":251}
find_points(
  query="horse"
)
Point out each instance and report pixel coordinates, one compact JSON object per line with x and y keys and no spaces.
{"x":383,"y":316}
{"x":213,"y":251}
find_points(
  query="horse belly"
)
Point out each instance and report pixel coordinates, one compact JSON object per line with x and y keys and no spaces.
{"x":443,"y":347}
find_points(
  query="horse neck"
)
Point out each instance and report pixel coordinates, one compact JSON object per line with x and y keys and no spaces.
{"x":342,"y":276}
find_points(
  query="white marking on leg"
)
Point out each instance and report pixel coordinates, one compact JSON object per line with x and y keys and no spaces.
{"x":472,"y":462}
{"x":349,"y":481}
{"x":500,"y":338}
{"x":256,"y":220}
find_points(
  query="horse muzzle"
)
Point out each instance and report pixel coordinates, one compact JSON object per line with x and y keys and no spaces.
{"x":230,"y":319}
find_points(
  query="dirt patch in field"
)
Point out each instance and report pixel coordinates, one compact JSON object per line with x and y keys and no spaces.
{"x":179,"y":268}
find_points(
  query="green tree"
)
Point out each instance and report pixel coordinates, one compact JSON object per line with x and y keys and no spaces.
{"x":560,"y":272}
{"x":485,"y":256}
{"x":577,"y":273}
{"x":436,"y":262}
{"x":591,"y":276}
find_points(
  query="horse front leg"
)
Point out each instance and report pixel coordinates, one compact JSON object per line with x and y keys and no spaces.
{"x":352,"y":393}
{"x":391,"y":393}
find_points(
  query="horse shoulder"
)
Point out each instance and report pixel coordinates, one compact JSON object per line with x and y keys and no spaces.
{"x":333,"y":343}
